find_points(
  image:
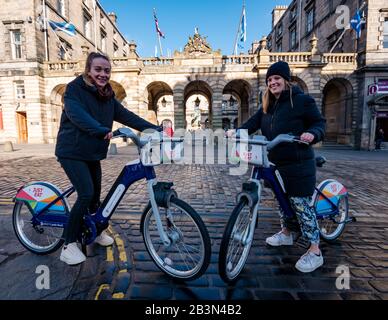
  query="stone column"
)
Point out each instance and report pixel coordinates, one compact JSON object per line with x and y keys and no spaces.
{"x":217,"y":111}
{"x":179,"y":111}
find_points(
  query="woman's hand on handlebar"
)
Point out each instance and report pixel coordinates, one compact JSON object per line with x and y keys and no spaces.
{"x":307,"y":137}
{"x":108,"y":136}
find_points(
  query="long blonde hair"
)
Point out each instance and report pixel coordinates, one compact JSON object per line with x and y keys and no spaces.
{"x":269,"y":98}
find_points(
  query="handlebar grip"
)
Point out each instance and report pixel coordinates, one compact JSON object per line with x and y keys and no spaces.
{"x":116,"y":133}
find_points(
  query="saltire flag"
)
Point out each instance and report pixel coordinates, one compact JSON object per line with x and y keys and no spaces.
{"x":356,"y":23}
{"x":243,"y":30}
{"x":157,"y":27}
{"x":65,"y":27}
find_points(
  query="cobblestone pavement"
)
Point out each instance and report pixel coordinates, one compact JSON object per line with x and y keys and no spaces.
{"x":127,"y":272}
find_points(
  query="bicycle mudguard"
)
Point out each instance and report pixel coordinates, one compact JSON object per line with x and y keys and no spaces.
{"x":37,"y":195}
{"x":333,"y":190}
{"x":164,"y":193}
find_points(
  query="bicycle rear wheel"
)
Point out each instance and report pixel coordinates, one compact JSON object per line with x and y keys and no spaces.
{"x":188,"y":255}
{"x":332,"y":226}
{"x":38,"y":239}
{"x":233,"y":252}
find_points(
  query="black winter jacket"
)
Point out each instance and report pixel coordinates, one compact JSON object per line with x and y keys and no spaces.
{"x":87,"y":118}
{"x":295,"y":162}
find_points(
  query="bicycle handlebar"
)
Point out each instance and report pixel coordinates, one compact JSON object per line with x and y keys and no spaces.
{"x":281,"y":138}
{"x":141,"y":142}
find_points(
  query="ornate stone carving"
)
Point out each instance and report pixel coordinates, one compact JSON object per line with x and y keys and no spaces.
{"x":197,"y":45}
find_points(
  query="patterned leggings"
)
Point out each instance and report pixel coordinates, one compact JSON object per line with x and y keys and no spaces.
{"x":305,"y":218}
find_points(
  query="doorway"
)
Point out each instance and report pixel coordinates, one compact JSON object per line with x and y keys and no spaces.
{"x":21,"y":118}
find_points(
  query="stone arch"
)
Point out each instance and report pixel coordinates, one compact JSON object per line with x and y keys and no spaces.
{"x":295,"y":80}
{"x":242,"y":91}
{"x":201,"y":116}
{"x":337,"y":108}
{"x":119,"y":90}
{"x":54,"y":111}
{"x":154,"y":94}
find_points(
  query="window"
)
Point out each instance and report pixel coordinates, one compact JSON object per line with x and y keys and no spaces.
{"x":385,"y":34}
{"x":293,"y":37}
{"x":61,"y":7}
{"x":293,"y":13}
{"x":65,"y":50}
{"x":87,"y":26}
{"x":16,"y":43}
{"x":279,"y":47}
{"x":269,"y":43}
{"x":102,"y":20}
{"x":115,"y":50}
{"x":280,"y":30}
{"x":20,"y":90}
{"x":103,"y":40}
{"x":309,"y":20}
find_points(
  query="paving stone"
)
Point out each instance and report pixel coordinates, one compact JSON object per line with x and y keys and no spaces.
{"x":380,"y":285}
{"x":150,"y":292}
{"x":273,"y":295}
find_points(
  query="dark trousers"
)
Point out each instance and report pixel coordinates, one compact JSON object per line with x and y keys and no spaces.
{"x":85,"y":176}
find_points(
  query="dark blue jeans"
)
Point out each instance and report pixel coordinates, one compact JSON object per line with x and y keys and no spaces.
{"x":85,"y":176}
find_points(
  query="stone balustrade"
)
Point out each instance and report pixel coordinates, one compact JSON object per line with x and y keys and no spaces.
{"x":339,"y":58}
{"x":239,"y":59}
{"x":157,"y":61}
{"x":62,"y":65}
{"x":290,"y":57}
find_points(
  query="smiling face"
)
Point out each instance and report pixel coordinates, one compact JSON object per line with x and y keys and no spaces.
{"x":276,"y":85}
{"x":100,"y":71}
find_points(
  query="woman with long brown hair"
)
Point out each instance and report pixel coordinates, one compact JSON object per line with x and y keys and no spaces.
{"x":90,"y":107}
{"x":287,"y":110}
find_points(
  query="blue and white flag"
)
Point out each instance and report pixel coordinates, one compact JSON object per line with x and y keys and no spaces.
{"x":65,"y":27}
{"x":357,"y":23}
{"x":243,"y":30}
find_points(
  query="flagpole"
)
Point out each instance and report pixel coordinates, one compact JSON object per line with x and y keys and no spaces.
{"x":45,"y":31}
{"x":158,"y":34}
{"x":347,"y":27}
{"x":238,"y":30}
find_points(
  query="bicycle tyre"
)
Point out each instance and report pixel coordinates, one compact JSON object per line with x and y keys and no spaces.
{"x":230,"y":276}
{"x":332,"y":236}
{"x":166,"y":263}
{"x":31,"y":240}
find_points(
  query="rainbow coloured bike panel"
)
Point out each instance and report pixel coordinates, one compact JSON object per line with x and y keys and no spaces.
{"x":38,"y":195}
{"x":329,"y":190}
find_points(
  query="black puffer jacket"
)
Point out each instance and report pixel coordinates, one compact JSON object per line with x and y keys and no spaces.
{"x":296,"y":162}
{"x":87,"y":118}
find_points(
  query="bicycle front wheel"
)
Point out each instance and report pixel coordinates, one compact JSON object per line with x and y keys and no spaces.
{"x":39,"y":239}
{"x":235,"y":247}
{"x":188,"y":255}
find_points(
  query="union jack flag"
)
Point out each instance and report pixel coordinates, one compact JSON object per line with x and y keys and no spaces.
{"x":157,"y":27}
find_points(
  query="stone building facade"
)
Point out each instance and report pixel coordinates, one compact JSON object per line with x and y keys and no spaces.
{"x":353,"y":110}
{"x":25,"y":111}
{"x":198,"y":88}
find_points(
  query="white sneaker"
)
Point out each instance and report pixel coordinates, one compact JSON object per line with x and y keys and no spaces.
{"x":104,"y":240}
{"x":72,"y":255}
{"x":280,"y":239}
{"x":309,"y":262}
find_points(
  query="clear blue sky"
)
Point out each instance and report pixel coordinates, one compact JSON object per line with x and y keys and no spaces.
{"x":216,"y":19}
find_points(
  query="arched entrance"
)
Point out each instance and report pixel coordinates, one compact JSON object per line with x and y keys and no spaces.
{"x":54,"y":112}
{"x":337,"y":109}
{"x":198,"y":106}
{"x":300,"y":83}
{"x":241,"y":92}
{"x":160,"y":102}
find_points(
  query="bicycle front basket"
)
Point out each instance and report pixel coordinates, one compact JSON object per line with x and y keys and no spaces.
{"x":249,"y":153}
{"x":155,"y":153}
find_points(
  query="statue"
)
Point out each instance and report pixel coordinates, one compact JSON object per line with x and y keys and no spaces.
{"x":197,"y":44}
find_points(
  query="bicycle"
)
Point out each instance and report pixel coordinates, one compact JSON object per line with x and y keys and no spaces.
{"x":173,"y":232}
{"x":330,"y":203}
